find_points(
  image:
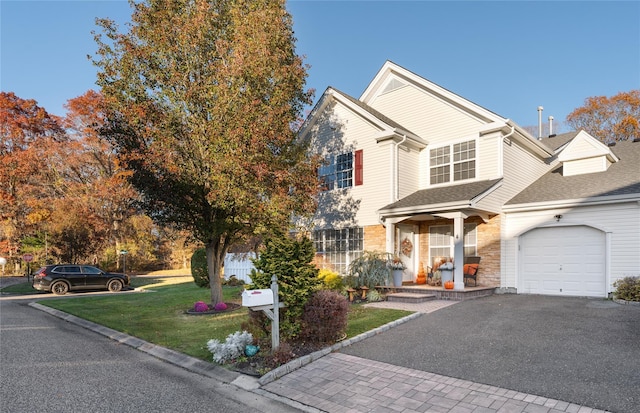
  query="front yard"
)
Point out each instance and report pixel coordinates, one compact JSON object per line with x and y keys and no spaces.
{"x":158,"y":314}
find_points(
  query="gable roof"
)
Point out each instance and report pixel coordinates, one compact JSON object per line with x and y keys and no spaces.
{"x":585,"y":146}
{"x":388,"y":126}
{"x":392,"y":70}
{"x":558,"y":141}
{"x":441,"y":198}
{"x":620,"y":181}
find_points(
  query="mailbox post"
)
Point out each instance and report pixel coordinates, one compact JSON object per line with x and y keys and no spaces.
{"x":266,"y":301}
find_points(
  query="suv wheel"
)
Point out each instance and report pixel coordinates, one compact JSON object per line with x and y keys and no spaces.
{"x":114,"y":286}
{"x":59,"y":288}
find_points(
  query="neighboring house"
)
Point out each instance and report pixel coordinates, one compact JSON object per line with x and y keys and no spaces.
{"x":416,"y":170}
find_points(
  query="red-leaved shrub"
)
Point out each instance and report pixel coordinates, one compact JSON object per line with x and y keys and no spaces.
{"x":325,"y":317}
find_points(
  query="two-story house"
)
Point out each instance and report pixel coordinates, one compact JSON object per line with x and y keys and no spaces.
{"x":414,"y":169}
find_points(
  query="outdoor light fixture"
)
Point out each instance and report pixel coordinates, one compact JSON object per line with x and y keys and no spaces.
{"x":558,"y":217}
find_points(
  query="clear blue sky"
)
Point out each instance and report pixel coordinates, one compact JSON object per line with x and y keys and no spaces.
{"x":507,"y":56}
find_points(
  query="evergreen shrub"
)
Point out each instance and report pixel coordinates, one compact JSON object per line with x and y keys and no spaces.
{"x":199,"y":270}
{"x":290,"y":260}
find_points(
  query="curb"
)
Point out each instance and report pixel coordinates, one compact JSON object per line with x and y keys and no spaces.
{"x":181,"y":360}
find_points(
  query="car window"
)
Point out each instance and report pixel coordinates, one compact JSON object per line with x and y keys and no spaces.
{"x":87,"y":269}
{"x":67,"y":269}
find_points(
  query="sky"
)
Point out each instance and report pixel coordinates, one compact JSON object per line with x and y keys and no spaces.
{"x":507,"y":56}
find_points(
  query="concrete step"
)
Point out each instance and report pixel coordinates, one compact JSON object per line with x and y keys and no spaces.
{"x":412,"y":298}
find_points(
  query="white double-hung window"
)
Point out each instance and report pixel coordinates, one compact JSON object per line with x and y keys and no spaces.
{"x":342,"y":171}
{"x":454,"y":162}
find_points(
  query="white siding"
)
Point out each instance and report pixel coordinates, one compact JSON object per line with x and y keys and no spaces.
{"x":520,"y":169}
{"x":431,"y":118}
{"x":340,"y":131}
{"x":488,"y":152}
{"x":620,"y":221}
{"x":409,"y":171}
{"x":585,"y":166}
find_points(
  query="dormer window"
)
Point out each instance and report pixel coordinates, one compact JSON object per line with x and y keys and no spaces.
{"x":450,"y":163}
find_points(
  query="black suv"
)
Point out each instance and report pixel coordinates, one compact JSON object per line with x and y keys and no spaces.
{"x":62,"y":278}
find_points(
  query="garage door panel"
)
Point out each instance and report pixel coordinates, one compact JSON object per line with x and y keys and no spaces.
{"x":563,"y":261}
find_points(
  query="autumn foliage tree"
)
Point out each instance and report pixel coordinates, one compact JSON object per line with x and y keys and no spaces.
{"x":27,"y":135}
{"x":609,"y":119}
{"x":201,"y":97}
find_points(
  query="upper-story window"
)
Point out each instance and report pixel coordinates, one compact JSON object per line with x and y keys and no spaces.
{"x":455,"y":162}
{"x":342,"y":171}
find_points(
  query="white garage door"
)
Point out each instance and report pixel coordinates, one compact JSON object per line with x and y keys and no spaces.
{"x":563,"y":261}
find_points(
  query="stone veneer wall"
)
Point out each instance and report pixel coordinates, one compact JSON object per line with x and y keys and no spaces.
{"x":375,"y":238}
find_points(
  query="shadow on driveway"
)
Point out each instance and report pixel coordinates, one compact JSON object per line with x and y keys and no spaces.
{"x":584,"y":351}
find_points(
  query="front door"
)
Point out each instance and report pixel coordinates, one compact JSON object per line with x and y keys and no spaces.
{"x":407,"y":251}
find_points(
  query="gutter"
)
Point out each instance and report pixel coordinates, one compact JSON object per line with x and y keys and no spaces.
{"x":571,"y":203}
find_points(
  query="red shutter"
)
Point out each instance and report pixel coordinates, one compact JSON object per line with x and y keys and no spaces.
{"x":359,"y":167}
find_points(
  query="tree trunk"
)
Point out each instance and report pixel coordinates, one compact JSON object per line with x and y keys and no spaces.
{"x":215,"y":258}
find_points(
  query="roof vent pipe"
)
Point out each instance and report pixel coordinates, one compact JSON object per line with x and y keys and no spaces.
{"x":551,"y":135}
{"x":540,"y":109}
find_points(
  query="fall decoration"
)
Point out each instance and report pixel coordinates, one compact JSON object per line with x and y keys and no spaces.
{"x":422,"y":276}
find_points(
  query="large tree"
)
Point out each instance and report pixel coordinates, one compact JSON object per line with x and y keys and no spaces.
{"x":610,"y":119}
{"x":28,"y":136}
{"x":202,"y":96}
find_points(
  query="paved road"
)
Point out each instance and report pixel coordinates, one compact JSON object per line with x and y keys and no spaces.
{"x":584,"y":351}
{"x":49,"y":365}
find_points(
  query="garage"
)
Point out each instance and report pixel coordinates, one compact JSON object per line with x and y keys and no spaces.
{"x":565,"y":260}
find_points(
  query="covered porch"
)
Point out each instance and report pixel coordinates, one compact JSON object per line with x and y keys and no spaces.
{"x":439,"y":225}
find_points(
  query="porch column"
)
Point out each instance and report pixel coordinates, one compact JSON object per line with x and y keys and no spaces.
{"x":391,"y":236}
{"x":458,"y":247}
{"x":458,"y":252}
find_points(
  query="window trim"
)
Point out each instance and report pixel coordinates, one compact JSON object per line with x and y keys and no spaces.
{"x":448,"y":169}
{"x":344,"y":170}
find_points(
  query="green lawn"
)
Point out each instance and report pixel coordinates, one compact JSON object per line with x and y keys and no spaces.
{"x":158,"y":315}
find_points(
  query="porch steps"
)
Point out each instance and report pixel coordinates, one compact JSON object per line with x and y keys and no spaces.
{"x":411,"y":298}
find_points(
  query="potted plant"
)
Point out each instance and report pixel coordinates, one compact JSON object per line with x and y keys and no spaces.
{"x":397,"y":268}
{"x":447,"y":271}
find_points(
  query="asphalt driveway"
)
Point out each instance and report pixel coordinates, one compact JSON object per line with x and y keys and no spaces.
{"x":584,"y":351}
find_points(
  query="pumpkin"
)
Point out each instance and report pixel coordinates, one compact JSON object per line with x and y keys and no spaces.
{"x":448,"y":285}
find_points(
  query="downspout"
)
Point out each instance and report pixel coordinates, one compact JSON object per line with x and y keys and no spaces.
{"x":396,"y":169}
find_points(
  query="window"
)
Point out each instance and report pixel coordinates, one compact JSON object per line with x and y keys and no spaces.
{"x":441,"y":241}
{"x":342,"y":171}
{"x":463,"y":162}
{"x":339,"y":246}
{"x":470,"y":240}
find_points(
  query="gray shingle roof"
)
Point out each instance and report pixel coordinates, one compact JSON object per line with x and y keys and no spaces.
{"x":463,"y":193}
{"x":622,"y":178}
{"x":558,"y":140}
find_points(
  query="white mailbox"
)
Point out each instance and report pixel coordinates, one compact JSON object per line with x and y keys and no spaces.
{"x":256,"y":298}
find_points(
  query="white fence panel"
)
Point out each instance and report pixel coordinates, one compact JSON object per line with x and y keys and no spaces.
{"x":239,"y":265}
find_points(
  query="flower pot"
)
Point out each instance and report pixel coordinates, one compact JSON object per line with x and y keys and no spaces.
{"x":447,"y":275}
{"x":397,"y":278}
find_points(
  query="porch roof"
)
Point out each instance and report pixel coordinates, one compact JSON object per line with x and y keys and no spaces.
{"x":444,"y":198}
